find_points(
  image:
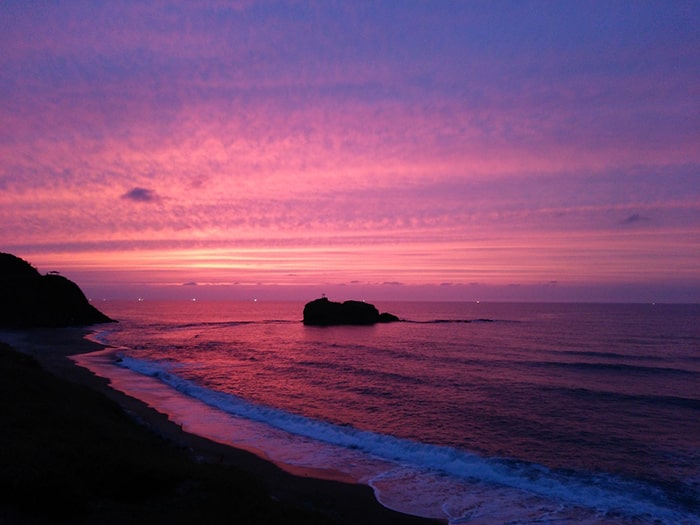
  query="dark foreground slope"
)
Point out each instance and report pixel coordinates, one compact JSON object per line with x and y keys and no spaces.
{"x":29,"y":299}
{"x":68,"y":454}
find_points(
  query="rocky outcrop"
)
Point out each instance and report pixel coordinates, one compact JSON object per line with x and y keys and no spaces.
{"x":31,"y":300}
{"x":323,"y":312}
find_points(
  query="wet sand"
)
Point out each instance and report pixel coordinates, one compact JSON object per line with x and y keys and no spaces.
{"x":277,"y":496}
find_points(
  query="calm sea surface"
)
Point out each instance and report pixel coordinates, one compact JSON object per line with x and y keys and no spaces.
{"x":479,"y":413}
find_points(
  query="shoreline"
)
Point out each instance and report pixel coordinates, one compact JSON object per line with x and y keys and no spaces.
{"x":178,"y":407}
{"x":325,"y":493}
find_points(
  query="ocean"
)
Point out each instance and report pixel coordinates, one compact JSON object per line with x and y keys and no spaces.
{"x":469,"y":412}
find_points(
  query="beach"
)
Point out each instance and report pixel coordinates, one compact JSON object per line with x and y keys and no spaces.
{"x":75,"y":450}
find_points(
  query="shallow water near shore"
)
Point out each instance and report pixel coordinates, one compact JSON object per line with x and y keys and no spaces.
{"x":479,"y":413}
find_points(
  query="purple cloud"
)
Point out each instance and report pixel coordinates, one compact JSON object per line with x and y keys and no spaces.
{"x":635,"y":217}
{"x":141,"y":195}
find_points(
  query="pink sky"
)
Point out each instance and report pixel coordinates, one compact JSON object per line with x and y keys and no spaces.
{"x":393,"y":150}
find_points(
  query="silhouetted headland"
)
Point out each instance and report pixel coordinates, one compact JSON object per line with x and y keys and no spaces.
{"x":322,"y":312}
{"x":31,"y":300}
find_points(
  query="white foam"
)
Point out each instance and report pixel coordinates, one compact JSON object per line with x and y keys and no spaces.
{"x":420,"y":479}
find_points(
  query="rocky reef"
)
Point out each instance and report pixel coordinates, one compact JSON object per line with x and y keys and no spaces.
{"x":322,"y":312}
{"x":31,"y":300}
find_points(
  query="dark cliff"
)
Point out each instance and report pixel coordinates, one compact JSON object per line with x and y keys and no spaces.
{"x":31,"y":300}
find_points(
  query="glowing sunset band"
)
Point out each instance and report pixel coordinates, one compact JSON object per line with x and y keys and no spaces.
{"x":537,"y":259}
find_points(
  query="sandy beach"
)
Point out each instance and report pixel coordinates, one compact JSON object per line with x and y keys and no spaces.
{"x":78,"y":451}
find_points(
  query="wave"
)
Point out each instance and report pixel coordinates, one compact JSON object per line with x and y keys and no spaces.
{"x":606,"y":355}
{"x":638,"y":399}
{"x":225,"y":324}
{"x":602,"y":493}
{"x":615,"y":367}
{"x":380,"y":376}
{"x":450,"y":321}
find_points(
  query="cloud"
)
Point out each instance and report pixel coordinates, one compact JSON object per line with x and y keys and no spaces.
{"x":190,"y":283}
{"x":141,"y":195}
{"x":635,"y":217}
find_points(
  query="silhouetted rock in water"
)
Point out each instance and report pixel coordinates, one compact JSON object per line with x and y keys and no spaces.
{"x":386,"y":317}
{"x":323,"y":312}
{"x":30,"y":300}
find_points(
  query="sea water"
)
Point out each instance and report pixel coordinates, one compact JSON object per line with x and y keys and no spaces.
{"x":469,"y":412}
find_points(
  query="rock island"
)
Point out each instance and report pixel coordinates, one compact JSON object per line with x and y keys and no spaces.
{"x":323,"y":312}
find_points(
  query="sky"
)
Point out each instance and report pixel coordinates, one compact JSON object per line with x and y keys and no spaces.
{"x":427,"y":150}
